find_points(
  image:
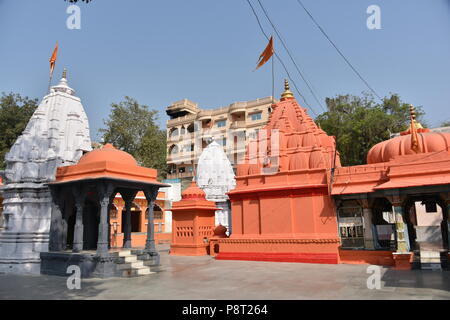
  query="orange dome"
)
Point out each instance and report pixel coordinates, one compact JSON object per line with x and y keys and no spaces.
{"x":401,"y":145}
{"x":193,"y":192}
{"x":108,"y":153}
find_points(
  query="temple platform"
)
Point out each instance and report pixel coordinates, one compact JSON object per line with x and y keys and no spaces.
{"x":120,"y":263}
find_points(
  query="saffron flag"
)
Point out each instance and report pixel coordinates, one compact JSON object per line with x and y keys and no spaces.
{"x":414,"y":137}
{"x":53,"y":58}
{"x":266,"y":54}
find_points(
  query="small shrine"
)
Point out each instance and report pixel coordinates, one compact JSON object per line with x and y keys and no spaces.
{"x":215,"y":177}
{"x":82,"y":196}
{"x":192,"y":223}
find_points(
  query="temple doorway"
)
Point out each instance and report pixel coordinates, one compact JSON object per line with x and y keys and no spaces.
{"x":383,"y":224}
{"x":427,"y":223}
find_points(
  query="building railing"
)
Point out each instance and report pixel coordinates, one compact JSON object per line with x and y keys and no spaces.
{"x":238,"y":124}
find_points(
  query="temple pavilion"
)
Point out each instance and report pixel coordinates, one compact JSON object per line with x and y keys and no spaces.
{"x":82,"y":197}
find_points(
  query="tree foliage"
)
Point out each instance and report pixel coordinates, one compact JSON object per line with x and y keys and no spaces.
{"x":358,"y":123}
{"x":15,"y":112}
{"x":132,"y":128}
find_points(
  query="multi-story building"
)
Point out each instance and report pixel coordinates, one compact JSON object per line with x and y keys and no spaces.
{"x":190,"y":129}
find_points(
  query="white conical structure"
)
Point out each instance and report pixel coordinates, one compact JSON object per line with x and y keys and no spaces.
{"x":216,"y":177}
{"x":56,"y":135}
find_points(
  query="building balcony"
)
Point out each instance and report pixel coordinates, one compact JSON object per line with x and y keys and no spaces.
{"x":181,"y":120}
{"x":238,"y":125}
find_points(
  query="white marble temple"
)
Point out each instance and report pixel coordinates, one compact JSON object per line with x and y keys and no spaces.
{"x":216,"y":177}
{"x":56,"y":135}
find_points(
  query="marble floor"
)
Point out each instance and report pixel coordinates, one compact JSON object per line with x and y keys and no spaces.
{"x":206,"y":278}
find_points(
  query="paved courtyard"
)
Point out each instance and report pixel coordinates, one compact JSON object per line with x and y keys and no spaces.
{"x":206,"y":278}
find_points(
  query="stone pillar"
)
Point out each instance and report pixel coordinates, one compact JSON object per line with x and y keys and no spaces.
{"x":402,"y":230}
{"x":80,"y":197}
{"x":368,"y":234}
{"x":128,"y":197}
{"x":150,"y":195}
{"x":56,"y":236}
{"x":127,"y":225}
{"x":103,"y":234}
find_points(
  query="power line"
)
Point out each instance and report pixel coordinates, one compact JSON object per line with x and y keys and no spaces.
{"x":279,"y":59}
{"x":289,"y":54}
{"x":339,"y":51}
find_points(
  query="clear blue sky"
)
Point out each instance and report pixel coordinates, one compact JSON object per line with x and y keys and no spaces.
{"x":205,"y":50}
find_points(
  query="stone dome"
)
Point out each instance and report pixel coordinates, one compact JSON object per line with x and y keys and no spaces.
{"x":193,"y":192}
{"x":401,"y":145}
{"x":108,"y":153}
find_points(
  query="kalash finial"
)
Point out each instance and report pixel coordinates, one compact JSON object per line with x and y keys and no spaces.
{"x":412,"y":112}
{"x":287,"y":94}
{"x":64,"y":75}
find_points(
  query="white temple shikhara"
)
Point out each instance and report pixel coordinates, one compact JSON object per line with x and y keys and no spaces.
{"x":216,"y":177}
{"x":56,"y":135}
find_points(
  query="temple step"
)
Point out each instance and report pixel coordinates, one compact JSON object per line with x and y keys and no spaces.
{"x":128,"y":264}
{"x":430,"y":260}
{"x":121,"y":253}
{"x":136,"y":272}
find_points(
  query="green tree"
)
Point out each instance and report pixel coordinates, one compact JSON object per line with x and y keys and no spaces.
{"x":15,"y":112}
{"x":358,"y":123}
{"x":132,"y":128}
{"x":445,"y":123}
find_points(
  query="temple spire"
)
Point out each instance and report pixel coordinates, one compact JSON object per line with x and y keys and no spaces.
{"x":287,"y":94}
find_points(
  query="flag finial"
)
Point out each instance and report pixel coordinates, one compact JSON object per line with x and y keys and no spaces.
{"x":287,"y":93}
{"x":412,"y":112}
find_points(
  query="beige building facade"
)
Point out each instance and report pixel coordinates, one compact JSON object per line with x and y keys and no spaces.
{"x":190,"y":129}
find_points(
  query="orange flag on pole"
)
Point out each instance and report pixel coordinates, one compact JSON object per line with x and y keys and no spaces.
{"x":266,"y":54}
{"x":53,"y":58}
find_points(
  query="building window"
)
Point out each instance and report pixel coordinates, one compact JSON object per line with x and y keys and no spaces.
{"x":221,"y":123}
{"x":173,"y":133}
{"x":256,"y":116}
{"x":173,"y":149}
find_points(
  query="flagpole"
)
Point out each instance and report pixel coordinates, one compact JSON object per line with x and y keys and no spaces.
{"x":273,"y":77}
{"x":50,"y":82}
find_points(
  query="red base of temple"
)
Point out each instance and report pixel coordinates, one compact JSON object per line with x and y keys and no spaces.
{"x":325,"y":258}
{"x":403,"y":261}
{"x":376,"y":257}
